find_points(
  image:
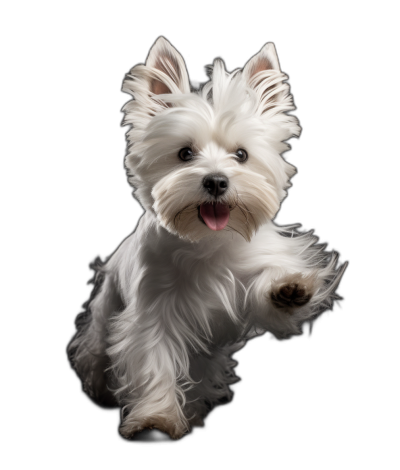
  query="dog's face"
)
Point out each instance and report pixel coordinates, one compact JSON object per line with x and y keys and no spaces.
{"x":208,"y":161}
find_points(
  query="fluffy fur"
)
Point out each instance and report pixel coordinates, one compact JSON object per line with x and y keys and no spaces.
{"x":177,"y":298}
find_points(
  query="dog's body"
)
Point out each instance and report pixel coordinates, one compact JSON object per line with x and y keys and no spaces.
{"x":206,"y":268}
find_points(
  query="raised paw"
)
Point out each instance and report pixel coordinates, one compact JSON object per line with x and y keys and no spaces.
{"x":294,"y":291}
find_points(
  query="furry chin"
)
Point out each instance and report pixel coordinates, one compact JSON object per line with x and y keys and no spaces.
{"x":215,"y":216}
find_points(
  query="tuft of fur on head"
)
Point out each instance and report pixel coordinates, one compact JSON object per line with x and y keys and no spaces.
{"x":246,"y":109}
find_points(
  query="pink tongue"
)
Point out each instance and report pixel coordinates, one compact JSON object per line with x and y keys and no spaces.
{"x":216,"y":216}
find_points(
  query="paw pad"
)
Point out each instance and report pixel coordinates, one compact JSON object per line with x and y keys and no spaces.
{"x":290,"y":295}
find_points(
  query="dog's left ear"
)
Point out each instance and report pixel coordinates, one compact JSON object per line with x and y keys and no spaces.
{"x":168,"y":67}
{"x":263,"y":73}
{"x":266,"y":59}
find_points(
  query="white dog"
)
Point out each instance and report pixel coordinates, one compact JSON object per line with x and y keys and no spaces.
{"x":206,"y":268}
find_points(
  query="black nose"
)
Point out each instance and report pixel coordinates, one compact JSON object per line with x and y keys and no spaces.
{"x":216,"y":185}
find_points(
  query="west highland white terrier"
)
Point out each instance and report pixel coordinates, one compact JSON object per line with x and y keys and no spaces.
{"x":206,"y":268}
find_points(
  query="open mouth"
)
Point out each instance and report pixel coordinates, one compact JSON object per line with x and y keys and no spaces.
{"x":214,"y":215}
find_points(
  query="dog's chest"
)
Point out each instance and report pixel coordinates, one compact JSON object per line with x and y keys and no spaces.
{"x":183,"y":278}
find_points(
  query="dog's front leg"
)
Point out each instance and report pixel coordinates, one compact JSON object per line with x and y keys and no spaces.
{"x":149,"y":363}
{"x":280,"y":301}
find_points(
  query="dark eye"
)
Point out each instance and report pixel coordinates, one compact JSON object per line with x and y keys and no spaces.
{"x":186,"y":154}
{"x":241,"y":155}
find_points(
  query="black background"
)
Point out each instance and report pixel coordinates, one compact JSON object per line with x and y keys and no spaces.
{"x":316,"y":390}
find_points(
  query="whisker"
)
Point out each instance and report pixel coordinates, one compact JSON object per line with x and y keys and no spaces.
{"x":183,"y":210}
{"x":246,"y":208}
{"x":242,"y":211}
{"x":237,"y":231}
{"x":240,"y":207}
{"x":228,"y":229}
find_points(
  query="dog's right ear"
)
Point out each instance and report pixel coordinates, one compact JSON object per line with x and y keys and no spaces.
{"x":170,"y":74}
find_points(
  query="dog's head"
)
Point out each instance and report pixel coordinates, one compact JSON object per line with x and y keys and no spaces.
{"x":208,"y":161}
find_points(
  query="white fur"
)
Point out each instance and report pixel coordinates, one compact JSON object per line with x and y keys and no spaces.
{"x":176,"y":298}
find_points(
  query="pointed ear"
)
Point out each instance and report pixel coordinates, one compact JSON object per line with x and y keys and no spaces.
{"x":263,"y":73}
{"x":266,"y":59}
{"x":169,"y":69}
